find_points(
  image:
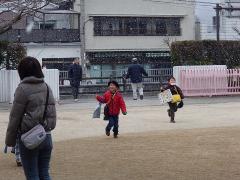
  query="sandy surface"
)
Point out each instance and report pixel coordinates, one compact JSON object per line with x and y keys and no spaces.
{"x":203,"y":144}
{"x":200,"y":154}
{"x":75,"y":119}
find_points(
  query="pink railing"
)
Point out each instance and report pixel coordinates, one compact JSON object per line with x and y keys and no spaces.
{"x":210,"y":82}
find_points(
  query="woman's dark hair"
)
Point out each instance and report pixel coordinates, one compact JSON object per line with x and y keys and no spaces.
{"x":170,"y":78}
{"x":30,"y":66}
{"x":113,"y":82}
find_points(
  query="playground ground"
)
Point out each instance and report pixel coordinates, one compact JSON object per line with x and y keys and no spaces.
{"x":203,"y":144}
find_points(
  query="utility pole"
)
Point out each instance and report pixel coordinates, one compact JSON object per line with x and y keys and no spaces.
{"x":82,"y":36}
{"x":218,"y":8}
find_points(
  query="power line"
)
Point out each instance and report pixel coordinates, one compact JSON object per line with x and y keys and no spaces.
{"x":187,"y":3}
{"x":200,"y":2}
{"x":181,"y":3}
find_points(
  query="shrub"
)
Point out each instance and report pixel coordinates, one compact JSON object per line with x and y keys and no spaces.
{"x":10,"y":55}
{"x":206,"y":52}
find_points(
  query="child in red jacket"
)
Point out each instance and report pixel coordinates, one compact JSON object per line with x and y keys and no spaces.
{"x":114,"y":102}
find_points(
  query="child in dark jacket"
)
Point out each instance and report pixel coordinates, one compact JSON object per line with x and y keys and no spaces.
{"x":114,"y":100}
{"x":173,"y":107}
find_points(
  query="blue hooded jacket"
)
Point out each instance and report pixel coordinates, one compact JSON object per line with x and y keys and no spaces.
{"x":135,"y":73}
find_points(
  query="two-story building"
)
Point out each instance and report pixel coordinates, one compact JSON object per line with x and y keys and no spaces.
{"x":115,"y":31}
{"x":51,"y":35}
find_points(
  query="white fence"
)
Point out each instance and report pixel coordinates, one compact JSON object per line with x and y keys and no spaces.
{"x":4,"y":86}
{"x":9,"y":81}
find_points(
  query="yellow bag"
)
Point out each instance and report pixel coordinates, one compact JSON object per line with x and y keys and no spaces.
{"x":176,"y":97}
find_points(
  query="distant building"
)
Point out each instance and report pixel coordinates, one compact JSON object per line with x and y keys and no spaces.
{"x":118,"y":30}
{"x":229,"y":23}
{"x":52,"y":35}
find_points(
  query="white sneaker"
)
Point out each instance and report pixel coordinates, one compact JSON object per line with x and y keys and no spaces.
{"x":76,"y":100}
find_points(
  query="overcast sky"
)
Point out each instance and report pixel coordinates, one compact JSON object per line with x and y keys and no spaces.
{"x":205,"y":13}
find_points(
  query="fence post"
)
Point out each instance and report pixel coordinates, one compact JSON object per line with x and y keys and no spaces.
{"x":124,"y":80}
{"x":111,"y":77}
{"x":124,"y":84}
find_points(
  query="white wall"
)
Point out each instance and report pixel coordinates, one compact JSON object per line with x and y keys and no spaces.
{"x":142,"y":8}
{"x":41,"y":51}
{"x":4,"y":86}
{"x":133,"y":7}
{"x":9,"y":81}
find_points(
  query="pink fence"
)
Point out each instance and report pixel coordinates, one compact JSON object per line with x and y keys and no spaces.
{"x":210,"y":82}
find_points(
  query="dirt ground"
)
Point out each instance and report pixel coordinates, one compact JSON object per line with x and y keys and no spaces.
{"x":199,"y":154}
{"x":203,"y":144}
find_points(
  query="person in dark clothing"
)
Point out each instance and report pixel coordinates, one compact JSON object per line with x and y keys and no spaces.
{"x":135,"y":73}
{"x":75,"y":77}
{"x":173,"y":107}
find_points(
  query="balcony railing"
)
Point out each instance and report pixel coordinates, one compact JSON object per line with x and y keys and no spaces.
{"x":40,"y":36}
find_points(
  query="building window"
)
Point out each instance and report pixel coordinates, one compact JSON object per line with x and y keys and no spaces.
{"x":137,"y":26}
{"x":173,"y":27}
{"x":49,"y":25}
{"x":97,"y":27}
{"x":143,"y":26}
{"x":131,"y":26}
{"x":161,"y":27}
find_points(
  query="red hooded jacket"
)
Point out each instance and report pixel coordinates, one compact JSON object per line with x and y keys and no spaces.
{"x":114,"y":104}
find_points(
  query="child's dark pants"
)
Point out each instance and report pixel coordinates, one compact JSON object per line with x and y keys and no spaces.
{"x":172,"y":108}
{"x":113,"y":122}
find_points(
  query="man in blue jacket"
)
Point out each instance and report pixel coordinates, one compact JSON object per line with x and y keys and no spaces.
{"x":135,"y":73}
{"x":75,"y":77}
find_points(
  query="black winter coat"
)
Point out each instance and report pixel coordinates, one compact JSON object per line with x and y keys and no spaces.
{"x":174,"y":90}
{"x":136,"y":72}
{"x":75,"y":72}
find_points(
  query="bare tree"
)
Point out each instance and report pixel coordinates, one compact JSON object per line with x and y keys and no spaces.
{"x":236,"y":30}
{"x":168,"y":40}
{"x":20,"y":8}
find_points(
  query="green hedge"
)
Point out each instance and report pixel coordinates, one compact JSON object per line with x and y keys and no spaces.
{"x":206,"y":52}
{"x":10,"y":55}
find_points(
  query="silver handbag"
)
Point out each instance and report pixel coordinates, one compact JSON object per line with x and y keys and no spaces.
{"x":35,"y":136}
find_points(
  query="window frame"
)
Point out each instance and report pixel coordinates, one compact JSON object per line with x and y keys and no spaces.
{"x":121,"y":26}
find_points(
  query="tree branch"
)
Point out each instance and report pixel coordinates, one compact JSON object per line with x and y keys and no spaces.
{"x":236,"y":30}
{"x":22,"y":9}
{"x":7,"y":26}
